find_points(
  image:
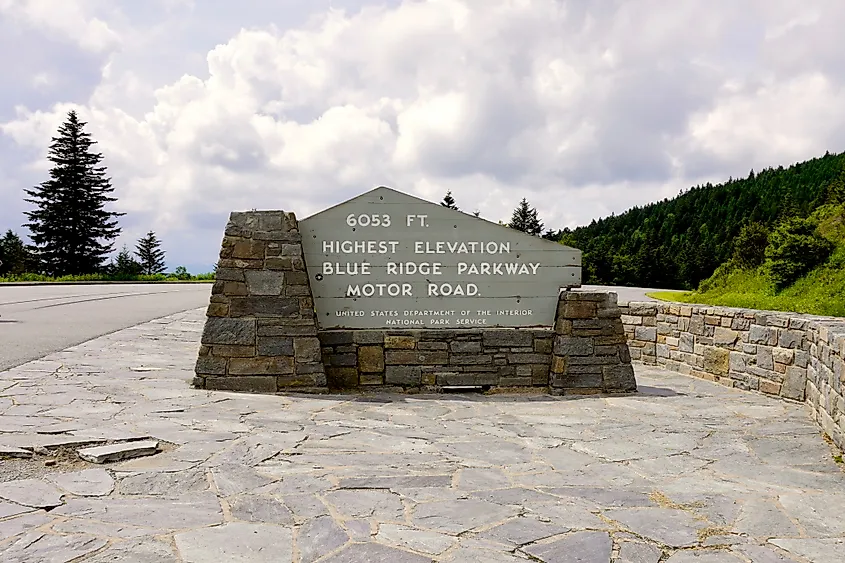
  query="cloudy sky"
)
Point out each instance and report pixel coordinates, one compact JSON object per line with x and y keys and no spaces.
{"x":585,"y":107}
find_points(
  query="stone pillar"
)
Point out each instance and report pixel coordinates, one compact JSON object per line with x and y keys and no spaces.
{"x":261,"y":330}
{"x":590,"y":352}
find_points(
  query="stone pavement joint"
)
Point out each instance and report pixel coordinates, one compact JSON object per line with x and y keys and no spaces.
{"x":685,"y":471}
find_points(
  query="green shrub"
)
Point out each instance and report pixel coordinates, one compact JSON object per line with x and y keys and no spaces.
{"x":750,"y":246}
{"x":795,"y":248}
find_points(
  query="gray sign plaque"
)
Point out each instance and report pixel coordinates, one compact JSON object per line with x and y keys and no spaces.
{"x":386,"y":259}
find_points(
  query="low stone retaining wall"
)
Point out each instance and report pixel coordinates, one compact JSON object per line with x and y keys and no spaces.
{"x":795,"y":357}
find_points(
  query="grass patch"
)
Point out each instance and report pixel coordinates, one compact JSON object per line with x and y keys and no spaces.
{"x":820,"y":292}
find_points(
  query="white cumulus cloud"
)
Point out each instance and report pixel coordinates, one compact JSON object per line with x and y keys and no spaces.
{"x":583,"y":107}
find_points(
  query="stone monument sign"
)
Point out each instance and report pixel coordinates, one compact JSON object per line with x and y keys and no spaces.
{"x":387,"y":291}
{"x":386,"y":259}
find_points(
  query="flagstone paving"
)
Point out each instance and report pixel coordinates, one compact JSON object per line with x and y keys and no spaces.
{"x":683,"y":472}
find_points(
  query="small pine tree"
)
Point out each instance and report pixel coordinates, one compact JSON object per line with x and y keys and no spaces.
{"x":15,"y":257}
{"x":525,"y":219}
{"x":449,"y":201}
{"x":71,"y":229}
{"x":750,"y":246}
{"x":124,"y":265}
{"x":149,"y":253}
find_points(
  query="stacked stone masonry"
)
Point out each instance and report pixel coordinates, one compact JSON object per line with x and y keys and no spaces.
{"x":260,"y":332}
{"x":584,"y":353}
{"x":795,"y":357}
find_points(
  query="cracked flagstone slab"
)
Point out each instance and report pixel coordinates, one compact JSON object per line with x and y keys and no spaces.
{"x":372,"y":552}
{"x":817,"y":550}
{"x":236,"y":542}
{"x":423,"y":541}
{"x":117,"y":452}
{"x":460,"y":515}
{"x":85,"y":483}
{"x":164,"y":484}
{"x":317,"y":537}
{"x":31,"y":492}
{"x":701,"y":556}
{"x":260,"y":508}
{"x":196,"y":509}
{"x":578,"y":547}
{"x":634,"y":552}
{"x":38,"y":546}
{"x":671,"y":527}
{"x":14,"y":526}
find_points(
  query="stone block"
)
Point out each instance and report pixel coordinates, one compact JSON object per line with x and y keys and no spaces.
{"x":558,"y":364}
{"x":275,"y":365}
{"x":232,"y":351}
{"x":477,"y":378}
{"x":264,"y":282}
{"x":263,"y":306}
{"x":415,"y":357}
{"x":306,"y":349}
{"x":247,"y":384}
{"x":507,"y":338}
{"x":210,"y":365}
{"x":248,"y":250}
{"x":790,"y":338}
{"x":572,"y":346}
{"x":794,"y":382}
{"x":217,"y":310}
{"x":765,"y":358}
{"x":642,"y":309}
{"x":368,"y":337}
{"x":529,"y":358}
{"x":725,"y":336}
{"x":739,"y":361}
{"x":275,"y":346}
{"x":371,"y":359}
{"x":686,"y":342}
{"x":343,"y":360}
{"x":371,"y":379}
{"x":432,"y":345}
{"x":716,"y":361}
{"x":580,"y":380}
{"x":470,"y":359}
{"x":783,"y":356}
{"x":696,"y":325}
{"x":342,"y":377}
{"x":400,"y":342}
{"x":577,"y":309}
{"x":465,"y":347}
{"x":285,"y":327}
{"x":336,"y":337}
{"x":762,"y":335}
{"x":403,"y":375}
{"x":631,"y":320}
{"x":543,"y":345}
{"x":647,"y":334}
{"x":220,"y":330}
{"x":229,"y":274}
{"x":770,"y":387}
{"x":619,"y":378}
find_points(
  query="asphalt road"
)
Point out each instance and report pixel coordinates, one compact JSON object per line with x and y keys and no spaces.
{"x":625,"y":294}
{"x":38,"y":320}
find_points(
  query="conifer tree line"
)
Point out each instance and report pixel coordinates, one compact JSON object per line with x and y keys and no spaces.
{"x":71,"y":228}
{"x":679,"y":243}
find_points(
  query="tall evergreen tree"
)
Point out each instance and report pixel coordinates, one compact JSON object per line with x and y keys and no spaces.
{"x":525,"y":219}
{"x":15,"y":258}
{"x":449,"y":201}
{"x":150,"y":254}
{"x":71,"y":229}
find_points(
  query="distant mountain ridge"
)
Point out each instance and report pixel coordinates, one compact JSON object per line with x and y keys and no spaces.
{"x":676,"y":243}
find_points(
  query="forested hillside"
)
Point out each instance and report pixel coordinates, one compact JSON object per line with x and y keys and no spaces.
{"x":677,"y":243}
